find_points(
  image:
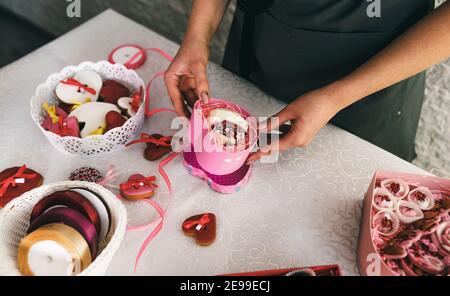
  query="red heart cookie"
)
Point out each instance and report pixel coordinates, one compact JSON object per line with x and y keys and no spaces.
{"x":16,"y":181}
{"x":112,"y":91}
{"x":157,"y":147}
{"x":202,"y":228}
{"x":138,"y":187}
{"x":114,"y":120}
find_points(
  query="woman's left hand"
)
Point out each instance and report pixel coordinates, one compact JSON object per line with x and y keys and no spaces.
{"x":308,"y":115}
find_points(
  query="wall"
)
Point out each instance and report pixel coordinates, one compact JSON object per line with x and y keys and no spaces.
{"x":169,"y":18}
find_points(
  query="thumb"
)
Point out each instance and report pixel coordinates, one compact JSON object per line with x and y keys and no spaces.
{"x":274,"y":122}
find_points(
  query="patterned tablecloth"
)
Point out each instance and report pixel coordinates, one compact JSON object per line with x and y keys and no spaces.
{"x":304,"y":210}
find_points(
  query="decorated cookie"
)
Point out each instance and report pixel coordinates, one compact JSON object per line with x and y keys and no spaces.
{"x":114,"y":120}
{"x":157,"y":146}
{"x":86,"y":174}
{"x":131,"y":104}
{"x":93,"y":116}
{"x":84,"y":87}
{"x":202,"y":228}
{"x":112,"y":91}
{"x":16,"y":181}
{"x":138,"y":187}
{"x":228,"y":127}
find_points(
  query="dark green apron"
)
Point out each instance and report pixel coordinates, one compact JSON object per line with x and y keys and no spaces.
{"x":290,"y":47}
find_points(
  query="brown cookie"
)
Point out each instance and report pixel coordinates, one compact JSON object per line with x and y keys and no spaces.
{"x":112,"y":91}
{"x":158,"y":148}
{"x":16,"y":181}
{"x":114,"y":120}
{"x":202,"y":228}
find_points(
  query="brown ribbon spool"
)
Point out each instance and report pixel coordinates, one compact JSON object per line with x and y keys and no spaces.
{"x":63,"y":235}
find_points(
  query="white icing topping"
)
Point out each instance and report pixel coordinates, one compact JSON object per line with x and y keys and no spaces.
{"x":71,"y":94}
{"x":93,"y":115}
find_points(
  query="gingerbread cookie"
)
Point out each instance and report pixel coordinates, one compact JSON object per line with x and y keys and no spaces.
{"x":114,"y":120}
{"x":93,"y":116}
{"x":138,"y":187}
{"x":16,"y":181}
{"x":112,"y":91}
{"x":157,"y":146}
{"x":84,"y":87}
{"x":202,"y":228}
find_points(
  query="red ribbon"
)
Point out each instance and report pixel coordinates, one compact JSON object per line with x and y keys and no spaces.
{"x":12,"y":180}
{"x":139,"y":183}
{"x":74,"y":82}
{"x":136,"y":103}
{"x":146,"y":138}
{"x":202,"y":221}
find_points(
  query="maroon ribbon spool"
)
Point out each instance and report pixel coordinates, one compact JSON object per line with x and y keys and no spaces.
{"x":73,"y":219}
{"x":69,"y":199}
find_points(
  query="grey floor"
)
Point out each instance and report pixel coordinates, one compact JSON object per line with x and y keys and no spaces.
{"x":18,"y":37}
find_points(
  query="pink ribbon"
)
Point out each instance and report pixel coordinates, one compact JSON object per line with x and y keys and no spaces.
{"x":11,"y":181}
{"x":202,"y":222}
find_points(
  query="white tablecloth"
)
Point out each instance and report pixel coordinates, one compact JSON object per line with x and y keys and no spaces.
{"x":304,"y":210}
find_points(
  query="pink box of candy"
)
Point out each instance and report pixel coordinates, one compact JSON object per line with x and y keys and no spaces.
{"x":405,"y":227}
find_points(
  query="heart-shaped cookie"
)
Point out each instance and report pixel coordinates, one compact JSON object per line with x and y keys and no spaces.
{"x":83,"y":87}
{"x":157,"y":146}
{"x":16,"y":181}
{"x":93,"y":116}
{"x":114,"y":120}
{"x":112,"y":91}
{"x":202,"y":228}
{"x":138,"y":187}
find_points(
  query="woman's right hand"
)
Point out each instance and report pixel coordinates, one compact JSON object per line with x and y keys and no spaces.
{"x":188,"y":71}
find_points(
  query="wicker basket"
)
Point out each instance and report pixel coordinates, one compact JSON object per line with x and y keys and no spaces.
{"x":113,"y":140}
{"x":15,"y":220}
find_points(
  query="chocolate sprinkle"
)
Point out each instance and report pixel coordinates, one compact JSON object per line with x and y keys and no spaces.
{"x":86,"y":174}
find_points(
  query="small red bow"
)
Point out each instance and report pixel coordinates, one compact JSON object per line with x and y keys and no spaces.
{"x":74,"y":82}
{"x":139,"y":183}
{"x":136,"y":103}
{"x":202,"y":221}
{"x":12,"y":180}
{"x":146,"y":138}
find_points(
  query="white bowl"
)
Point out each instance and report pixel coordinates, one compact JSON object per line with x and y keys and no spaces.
{"x":15,"y":220}
{"x":113,"y":140}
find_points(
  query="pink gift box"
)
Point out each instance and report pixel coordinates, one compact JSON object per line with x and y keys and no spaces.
{"x":369,"y":260}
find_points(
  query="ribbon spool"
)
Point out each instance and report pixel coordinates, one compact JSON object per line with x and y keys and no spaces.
{"x":69,"y":199}
{"x":102,"y":210}
{"x":73,"y":219}
{"x":53,"y":250}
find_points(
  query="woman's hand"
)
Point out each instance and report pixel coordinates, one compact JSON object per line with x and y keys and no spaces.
{"x":308,"y":115}
{"x":188,"y":71}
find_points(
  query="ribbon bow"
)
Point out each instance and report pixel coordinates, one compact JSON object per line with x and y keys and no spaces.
{"x":51,"y":111}
{"x":202,"y":222}
{"x":136,"y":103}
{"x":139,"y":183}
{"x":146,"y":138}
{"x":12,"y":181}
{"x":74,"y":82}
